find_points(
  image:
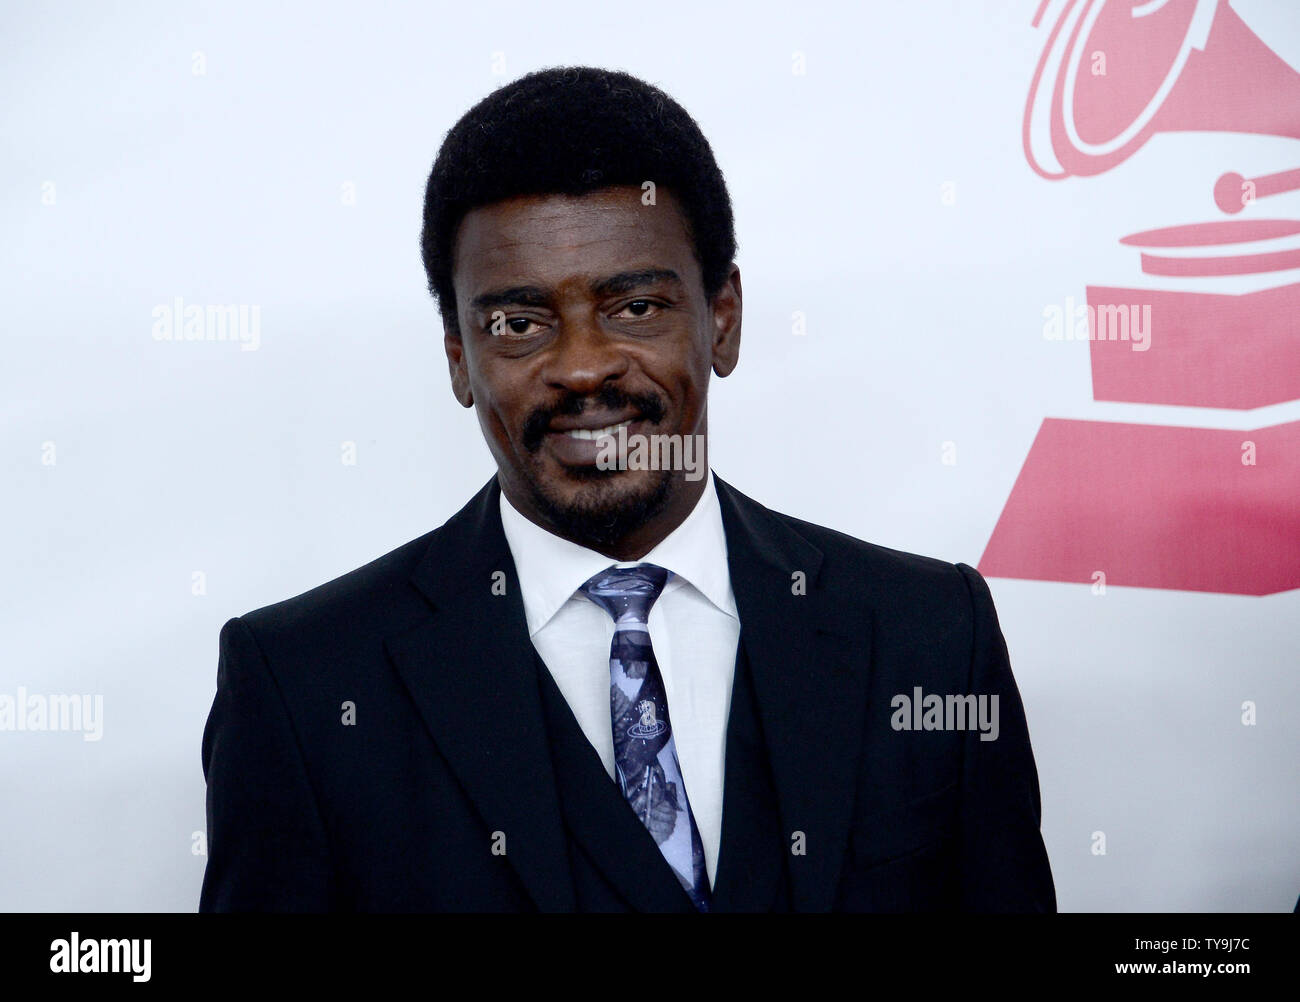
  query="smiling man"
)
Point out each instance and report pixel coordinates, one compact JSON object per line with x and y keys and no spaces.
{"x":614,"y":335}
{"x":610,"y":683}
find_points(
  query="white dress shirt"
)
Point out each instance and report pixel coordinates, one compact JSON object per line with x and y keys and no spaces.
{"x":694,"y":629}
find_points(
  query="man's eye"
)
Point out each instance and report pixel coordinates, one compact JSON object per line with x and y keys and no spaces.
{"x":639,"y":308}
{"x":501,"y":324}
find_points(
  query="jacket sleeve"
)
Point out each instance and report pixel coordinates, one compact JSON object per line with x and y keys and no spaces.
{"x":267,"y":847}
{"x":1004,"y":865}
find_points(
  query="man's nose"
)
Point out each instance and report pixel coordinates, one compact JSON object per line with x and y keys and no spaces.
{"x":583,"y":357}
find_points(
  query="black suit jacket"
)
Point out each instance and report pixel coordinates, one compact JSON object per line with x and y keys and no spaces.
{"x":389,"y":741}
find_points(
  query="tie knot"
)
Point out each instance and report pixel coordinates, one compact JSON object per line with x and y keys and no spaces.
{"x":627,"y":593}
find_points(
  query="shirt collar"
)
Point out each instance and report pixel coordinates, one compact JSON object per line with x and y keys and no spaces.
{"x":552,"y":569}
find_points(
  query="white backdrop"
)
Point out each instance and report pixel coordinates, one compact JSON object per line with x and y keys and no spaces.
{"x":274,"y":155}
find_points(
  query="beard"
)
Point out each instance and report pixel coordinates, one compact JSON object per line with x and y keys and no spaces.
{"x":609,"y":504}
{"x":603,"y":511}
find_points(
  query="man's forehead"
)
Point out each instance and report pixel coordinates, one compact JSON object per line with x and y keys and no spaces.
{"x":554,"y":236}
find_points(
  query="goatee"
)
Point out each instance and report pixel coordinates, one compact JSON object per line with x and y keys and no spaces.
{"x":600,"y":514}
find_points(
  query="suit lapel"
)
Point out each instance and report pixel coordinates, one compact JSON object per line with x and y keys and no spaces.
{"x":471,"y":671}
{"x":809,"y":660}
{"x":752,"y":854}
{"x":614,"y":839}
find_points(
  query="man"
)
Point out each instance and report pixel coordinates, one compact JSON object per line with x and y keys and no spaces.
{"x":611,"y":683}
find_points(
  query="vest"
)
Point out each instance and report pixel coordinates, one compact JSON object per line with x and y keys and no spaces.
{"x":616,"y":865}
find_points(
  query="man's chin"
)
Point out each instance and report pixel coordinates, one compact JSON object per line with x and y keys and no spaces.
{"x":598,"y":507}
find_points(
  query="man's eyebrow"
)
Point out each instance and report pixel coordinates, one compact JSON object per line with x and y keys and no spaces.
{"x":626,"y":281}
{"x":518,"y":295}
{"x":534,"y":295}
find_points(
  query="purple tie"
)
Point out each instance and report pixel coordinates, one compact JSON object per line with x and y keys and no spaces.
{"x":645,"y":755}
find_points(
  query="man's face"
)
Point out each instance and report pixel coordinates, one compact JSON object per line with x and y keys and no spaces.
{"x":582,"y":313}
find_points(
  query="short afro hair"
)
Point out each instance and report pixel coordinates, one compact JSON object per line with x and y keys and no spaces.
{"x":572,"y":130}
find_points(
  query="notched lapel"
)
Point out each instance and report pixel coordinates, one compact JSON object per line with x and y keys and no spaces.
{"x":471,"y":672}
{"x":810,"y":659}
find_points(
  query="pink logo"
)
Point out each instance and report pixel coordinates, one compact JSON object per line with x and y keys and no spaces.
{"x":1199,"y":509}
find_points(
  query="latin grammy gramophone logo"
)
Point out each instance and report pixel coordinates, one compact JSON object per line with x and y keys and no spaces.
{"x":648,"y":726}
{"x":1169,"y":504}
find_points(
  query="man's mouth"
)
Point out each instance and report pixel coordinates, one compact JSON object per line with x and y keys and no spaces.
{"x":579,"y":423}
{"x":594,"y":433}
{"x":582,"y":440}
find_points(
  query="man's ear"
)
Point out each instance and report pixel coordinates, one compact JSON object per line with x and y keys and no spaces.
{"x":455,"y":348}
{"x":726,"y":310}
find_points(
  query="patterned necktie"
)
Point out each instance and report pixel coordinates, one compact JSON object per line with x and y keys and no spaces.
{"x":645,"y":755}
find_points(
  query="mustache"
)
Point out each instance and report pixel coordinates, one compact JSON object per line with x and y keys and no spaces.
{"x":647,"y":405}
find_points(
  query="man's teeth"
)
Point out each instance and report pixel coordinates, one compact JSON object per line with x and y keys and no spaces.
{"x":593,"y":433}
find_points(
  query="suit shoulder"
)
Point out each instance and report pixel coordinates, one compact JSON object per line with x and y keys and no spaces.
{"x":848,"y":551}
{"x":348,"y":600}
{"x":921,"y":602}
